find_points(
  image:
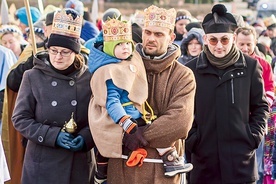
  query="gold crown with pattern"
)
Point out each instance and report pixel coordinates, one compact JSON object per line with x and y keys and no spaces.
{"x":159,"y":17}
{"x":114,"y":30}
{"x":65,"y":24}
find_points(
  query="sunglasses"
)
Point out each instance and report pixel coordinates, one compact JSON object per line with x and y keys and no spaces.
{"x":214,"y":41}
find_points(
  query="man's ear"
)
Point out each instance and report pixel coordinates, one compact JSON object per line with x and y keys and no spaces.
{"x":205,"y":41}
{"x":235,"y":38}
{"x":172,"y":37}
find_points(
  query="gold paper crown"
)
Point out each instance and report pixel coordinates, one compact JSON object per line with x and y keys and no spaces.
{"x":65,"y":24}
{"x":114,"y":30}
{"x":268,"y":21}
{"x":159,"y":17}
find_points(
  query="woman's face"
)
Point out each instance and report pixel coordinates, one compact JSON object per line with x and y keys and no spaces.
{"x":61,"y":58}
{"x":11,"y":42}
{"x":194,"y":47}
{"x":180,"y":26}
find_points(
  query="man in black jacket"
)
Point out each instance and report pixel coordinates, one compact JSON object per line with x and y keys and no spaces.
{"x":230,"y":106}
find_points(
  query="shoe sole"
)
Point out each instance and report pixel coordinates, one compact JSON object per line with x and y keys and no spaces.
{"x":99,"y":181}
{"x":173,"y":173}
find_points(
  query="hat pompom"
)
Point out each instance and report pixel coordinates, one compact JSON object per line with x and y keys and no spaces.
{"x":220,"y":9}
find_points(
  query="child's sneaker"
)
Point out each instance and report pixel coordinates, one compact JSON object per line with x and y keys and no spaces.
{"x":173,"y":164}
{"x":98,"y":180}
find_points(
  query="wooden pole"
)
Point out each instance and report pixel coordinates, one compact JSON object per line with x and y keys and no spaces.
{"x":28,"y":11}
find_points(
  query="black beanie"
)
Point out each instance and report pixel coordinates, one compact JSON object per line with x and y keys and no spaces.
{"x":66,"y":30}
{"x":136,"y":33}
{"x":193,"y":25}
{"x":219,"y":21}
{"x":64,"y":41}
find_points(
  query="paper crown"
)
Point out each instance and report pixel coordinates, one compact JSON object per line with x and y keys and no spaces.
{"x":268,"y":21}
{"x":114,"y":30}
{"x":67,"y":25}
{"x":159,"y":17}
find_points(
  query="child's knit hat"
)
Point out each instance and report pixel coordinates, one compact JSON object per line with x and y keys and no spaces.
{"x":115,"y":31}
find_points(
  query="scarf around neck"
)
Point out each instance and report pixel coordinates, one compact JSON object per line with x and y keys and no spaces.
{"x":222,"y":63}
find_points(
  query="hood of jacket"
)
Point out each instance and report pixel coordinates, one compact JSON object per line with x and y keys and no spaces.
{"x":97,"y":57}
{"x":196,"y":33}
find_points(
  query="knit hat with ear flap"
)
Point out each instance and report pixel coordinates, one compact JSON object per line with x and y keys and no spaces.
{"x":114,"y":32}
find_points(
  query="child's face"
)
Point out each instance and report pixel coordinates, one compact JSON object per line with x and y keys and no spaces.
{"x":123,"y":50}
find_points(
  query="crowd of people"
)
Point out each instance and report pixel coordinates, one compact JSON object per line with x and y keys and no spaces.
{"x":160,"y":98}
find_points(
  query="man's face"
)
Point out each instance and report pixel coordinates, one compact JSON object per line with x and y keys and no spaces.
{"x":219,"y":44}
{"x":156,"y":40}
{"x":271,"y":32}
{"x":246,"y":43}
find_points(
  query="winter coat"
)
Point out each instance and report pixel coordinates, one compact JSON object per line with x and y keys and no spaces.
{"x":45,"y":101}
{"x":171,"y":95}
{"x":267,"y":77}
{"x":230,"y":116}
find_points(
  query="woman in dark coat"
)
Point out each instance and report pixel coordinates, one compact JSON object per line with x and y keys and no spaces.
{"x":55,"y":90}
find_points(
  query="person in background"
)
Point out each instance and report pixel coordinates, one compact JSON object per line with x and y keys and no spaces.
{"x":174,"y":87}
{"x":88,"y":29}
{"x":21,"y":15}
{"x":12,"y":38}
{"x":138,"y":18}
{"x":246,"y":40}
{"x":183,"y":17}
{"x":270,"y":23}
{"x":193,"y":25}
{"x":56,"y":125}
{"x":192,"y":45}
{"x":108,"y":14}
{"x":266,"y":42}
{"x":231,"y":109}
{"x":7,"y":59}
{"x":136,"y":33}
{"x":38,"y":31}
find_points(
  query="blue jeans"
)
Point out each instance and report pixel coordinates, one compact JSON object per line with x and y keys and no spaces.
{"x":260,"y":161}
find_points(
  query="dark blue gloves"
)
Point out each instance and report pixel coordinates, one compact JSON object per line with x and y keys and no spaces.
{"x":64,"y":140}
{"x":273,"y":172}
{"x":77,"y":143}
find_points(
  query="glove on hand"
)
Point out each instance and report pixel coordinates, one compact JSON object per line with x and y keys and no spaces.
{"x":137,"y":157}
{"x":64,"y":139}
{"x":273,"y":170}
{"x":128,"y":124}
{"x":135,"y":140}
{"x":77,"y":143}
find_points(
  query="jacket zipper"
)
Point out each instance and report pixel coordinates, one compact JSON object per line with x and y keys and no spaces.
{"x":232,"y":91}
